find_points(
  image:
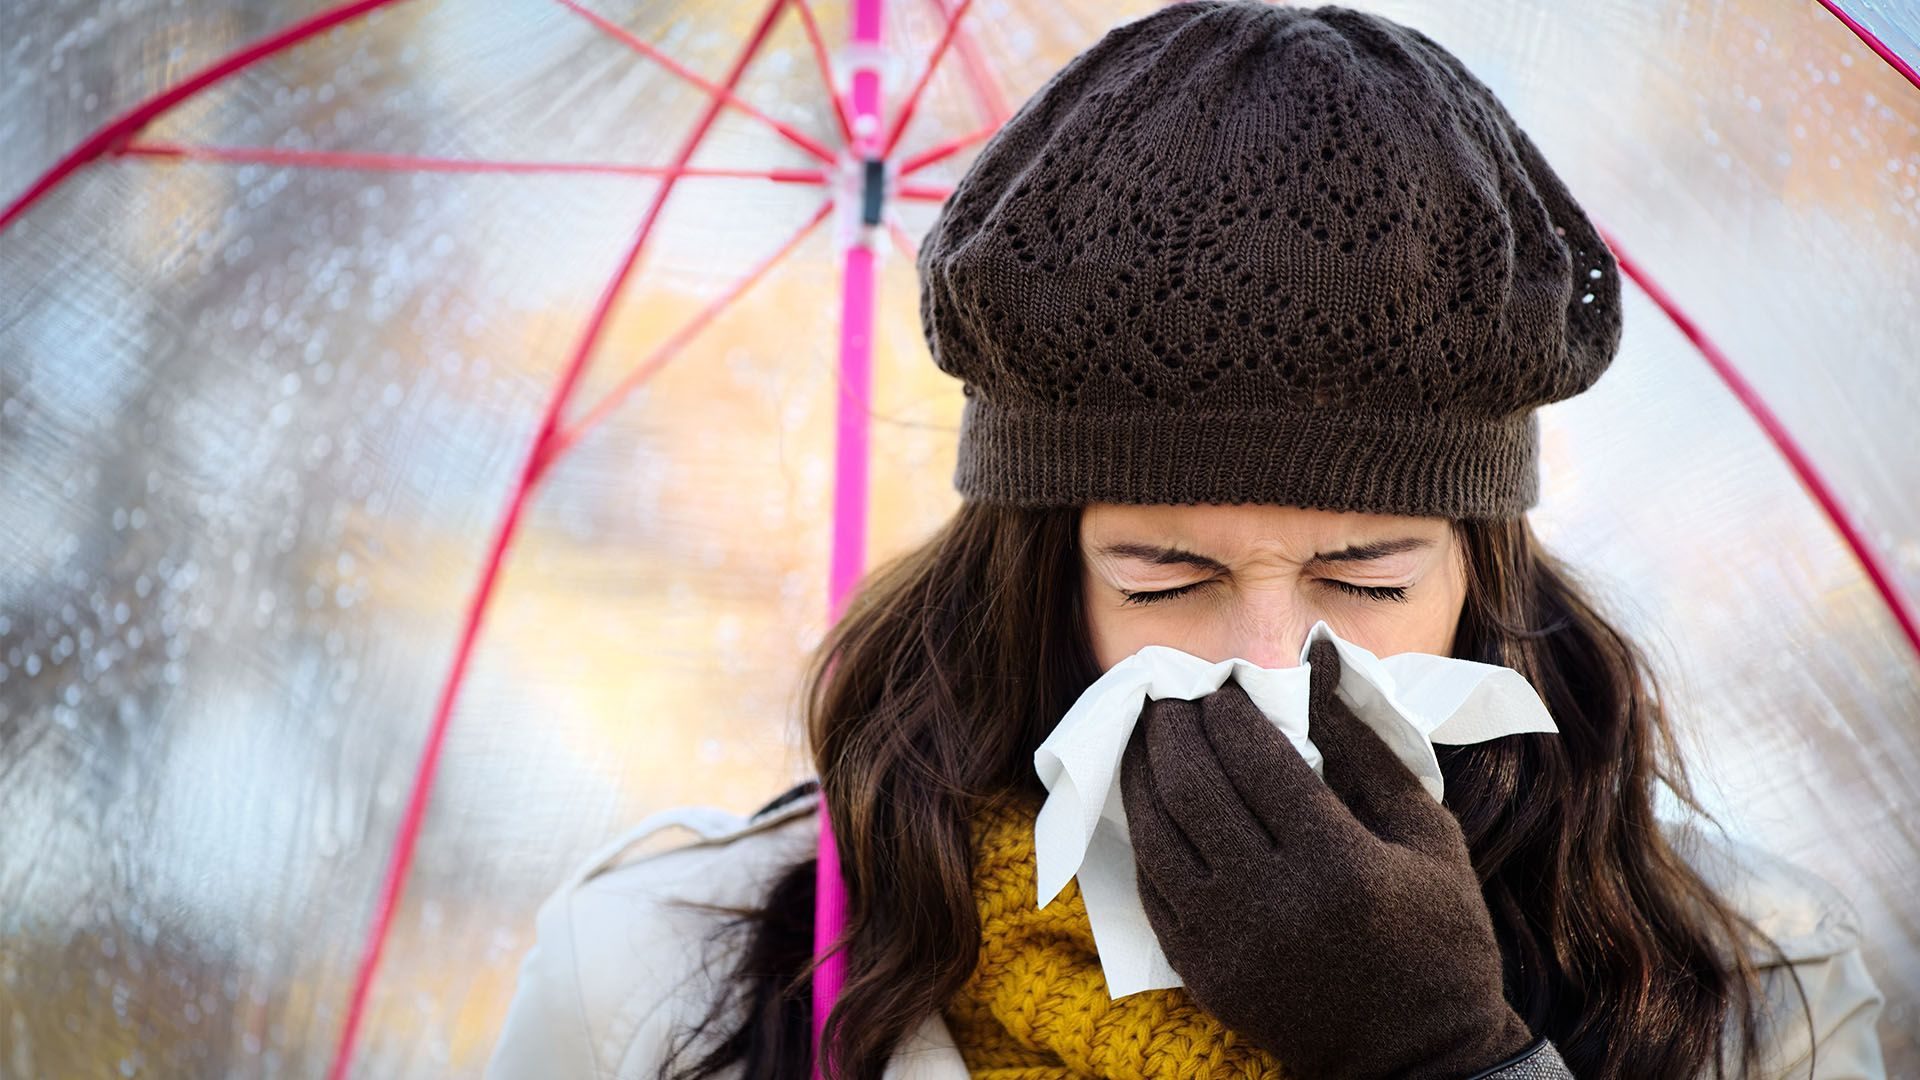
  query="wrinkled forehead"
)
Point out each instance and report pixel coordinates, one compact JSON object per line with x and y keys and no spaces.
{"x":1165,"y":533}
{"x":1247,"y":521}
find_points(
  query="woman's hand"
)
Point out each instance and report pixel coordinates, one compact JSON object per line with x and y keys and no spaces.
{"x":1337,"y":925}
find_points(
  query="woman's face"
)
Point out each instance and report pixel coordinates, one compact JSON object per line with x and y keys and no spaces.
{"x":1250,"y":580}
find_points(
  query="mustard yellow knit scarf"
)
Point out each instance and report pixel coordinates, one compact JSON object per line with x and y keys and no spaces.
{"x":1036,"y":1006}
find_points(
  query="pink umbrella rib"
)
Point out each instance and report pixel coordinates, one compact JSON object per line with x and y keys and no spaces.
{"x":925,"y":192}
{"x":907,"y":107}
{"x":900,"y":238}
{"x":946,"y":150}
{"x":1783,"y":440}
{"x":537,"y":461}
{"x":986,"y":94}
{"x":1873,"y":42}
{"x":681,"y":337}
{"x":325,"y":159}
{"x":820,"y":58}
{"x":131,"y":122}
{"x":626,"y":37}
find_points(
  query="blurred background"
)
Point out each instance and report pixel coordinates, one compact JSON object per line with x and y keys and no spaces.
{"x":260,"y":418}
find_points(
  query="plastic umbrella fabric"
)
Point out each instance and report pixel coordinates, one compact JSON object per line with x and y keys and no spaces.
{"x":354,"y":356}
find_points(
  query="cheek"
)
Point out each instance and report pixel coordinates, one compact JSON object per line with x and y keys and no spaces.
{"x":1384,"y":628}
{"x":1099,"y":624}
{"x":1116,"y":634}
{"x":1425,"y":623}
{"x":1431,"y":631}
{"x":1429,"y":628}
{"x":1109,"y":635}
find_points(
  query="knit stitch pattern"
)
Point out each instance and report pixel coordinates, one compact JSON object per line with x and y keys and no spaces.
{"x":1036,"y":1006}
{"x":1240,"y":251}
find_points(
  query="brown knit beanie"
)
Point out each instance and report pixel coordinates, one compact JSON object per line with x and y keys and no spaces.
{"x":1245,"y":252}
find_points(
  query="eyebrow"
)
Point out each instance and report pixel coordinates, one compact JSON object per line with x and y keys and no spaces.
{"x":1173,"y":556}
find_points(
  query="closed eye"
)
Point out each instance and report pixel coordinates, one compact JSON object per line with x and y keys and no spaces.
{"x":1161,"y":594}
{"x":1396,"y":593}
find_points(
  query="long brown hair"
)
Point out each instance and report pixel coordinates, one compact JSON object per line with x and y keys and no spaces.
{"x":926,"y":701}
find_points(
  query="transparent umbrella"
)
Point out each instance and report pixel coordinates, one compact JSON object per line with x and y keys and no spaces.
{"x":432,"y":435}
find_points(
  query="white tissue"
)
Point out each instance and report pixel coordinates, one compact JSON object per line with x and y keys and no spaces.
{"x":1412,"y":700}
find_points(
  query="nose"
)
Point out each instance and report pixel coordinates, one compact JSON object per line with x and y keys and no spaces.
{"x":1265,"y":624}
{"x":1272,"y":648}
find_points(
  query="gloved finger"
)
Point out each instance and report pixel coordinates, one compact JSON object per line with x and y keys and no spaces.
{"x":1383,"y":794}
{"x":1291,"y":805}
{"x":1160,"y":849}
{"x":1162,"y":916}
{"x":1194,"y":788}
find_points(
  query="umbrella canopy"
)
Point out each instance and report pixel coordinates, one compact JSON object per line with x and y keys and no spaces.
{"x":352,"y":354}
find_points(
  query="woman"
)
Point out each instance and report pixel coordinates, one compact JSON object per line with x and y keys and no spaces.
{"x":1252,"y":306}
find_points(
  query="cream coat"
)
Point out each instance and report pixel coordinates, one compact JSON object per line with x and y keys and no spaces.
{"x":612,"y":970}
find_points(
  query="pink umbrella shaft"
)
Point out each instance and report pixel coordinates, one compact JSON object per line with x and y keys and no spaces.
{"x":849,"y":529}
{"x":849,"y":498}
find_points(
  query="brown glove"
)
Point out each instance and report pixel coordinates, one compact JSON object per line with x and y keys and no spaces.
{"x":1339,"y":925}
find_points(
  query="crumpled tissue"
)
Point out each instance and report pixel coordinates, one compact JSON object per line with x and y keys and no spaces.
{"x":1412,"y":700}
